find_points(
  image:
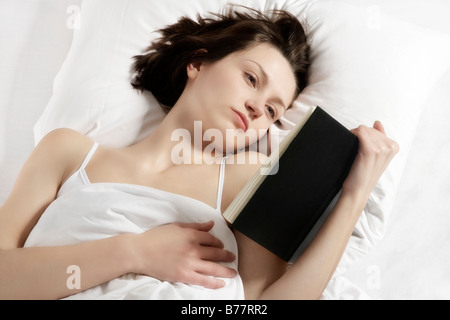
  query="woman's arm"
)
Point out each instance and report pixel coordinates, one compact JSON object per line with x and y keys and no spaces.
{"x":309,"y":276}
{"x":175,"y":253}
{"x":41,"y":273}
{"x":44,"y":273}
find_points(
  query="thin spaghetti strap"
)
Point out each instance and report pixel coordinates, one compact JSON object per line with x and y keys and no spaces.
{"x":221,"y":183}
{"x":89,"y":156}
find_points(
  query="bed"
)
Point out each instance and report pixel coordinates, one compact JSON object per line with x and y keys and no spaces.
{"x":65,"y":63}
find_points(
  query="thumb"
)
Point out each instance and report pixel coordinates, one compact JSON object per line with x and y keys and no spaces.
{"x":206,"y":226}
{"x":379,"y":126}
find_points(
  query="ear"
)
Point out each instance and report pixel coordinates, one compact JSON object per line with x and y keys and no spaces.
{"x":193,"y":69}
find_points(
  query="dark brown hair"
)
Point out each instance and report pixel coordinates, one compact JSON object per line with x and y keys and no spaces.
{"x":162,"y":70}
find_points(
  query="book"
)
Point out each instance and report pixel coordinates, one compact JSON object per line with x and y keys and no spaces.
{"x":286,"y":202}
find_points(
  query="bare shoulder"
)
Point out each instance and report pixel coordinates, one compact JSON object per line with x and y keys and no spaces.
{"x":243,"y":166}
{"x":64,"y":137}
{"x":50,"y":163}
{"x":240,"y":169}
{"x":64,"y":148}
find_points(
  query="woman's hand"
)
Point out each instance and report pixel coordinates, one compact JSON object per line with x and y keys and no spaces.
{"x":375,"y":153}
{"x":184,"y":253}
{"x":313,"y":270}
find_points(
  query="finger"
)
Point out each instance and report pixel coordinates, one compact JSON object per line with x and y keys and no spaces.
{"x":379,"y":126}
{"x":207,"y":239}
{"x":370,"y":138}
{"x":206,"y":226}
{"x":360,"y":132}
{"x":206,"y":281}
{"x":216,"y":255}
{"x":214,"y":269}
{"x":363,"y":135}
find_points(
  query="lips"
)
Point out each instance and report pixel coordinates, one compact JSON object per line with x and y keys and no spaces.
{"x":241,"y":120}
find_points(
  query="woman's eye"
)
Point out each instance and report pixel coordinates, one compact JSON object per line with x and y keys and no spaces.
{"x":271,"y":111}
{"x":251,"y":79}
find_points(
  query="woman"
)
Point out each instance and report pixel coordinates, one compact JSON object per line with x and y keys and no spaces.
{"x":239,"y":72}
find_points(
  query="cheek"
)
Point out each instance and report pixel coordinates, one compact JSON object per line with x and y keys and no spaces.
{"x":221,"y":84}
{"x":262,"y":126}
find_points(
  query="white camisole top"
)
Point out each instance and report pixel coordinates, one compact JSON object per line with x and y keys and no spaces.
{"x":85,"y":211}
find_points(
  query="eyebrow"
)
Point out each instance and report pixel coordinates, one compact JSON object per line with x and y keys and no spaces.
{"x":276,"y":100}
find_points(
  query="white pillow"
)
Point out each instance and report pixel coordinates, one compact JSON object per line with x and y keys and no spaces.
{"x":92,"y":92}
{"x":363,"y":70}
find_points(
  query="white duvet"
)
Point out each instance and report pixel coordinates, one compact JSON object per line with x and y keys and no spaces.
{"x":99,"y":211}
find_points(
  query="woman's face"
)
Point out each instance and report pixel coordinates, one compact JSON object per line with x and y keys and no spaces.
{"x":243,"y":94}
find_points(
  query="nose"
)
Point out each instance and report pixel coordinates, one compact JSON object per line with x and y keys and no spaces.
{"x":256,"y":109}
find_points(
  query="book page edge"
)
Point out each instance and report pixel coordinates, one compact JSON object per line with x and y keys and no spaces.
{"x":238,"y":204}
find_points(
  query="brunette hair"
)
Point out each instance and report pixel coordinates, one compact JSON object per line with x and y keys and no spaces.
{"x":162,"y":70}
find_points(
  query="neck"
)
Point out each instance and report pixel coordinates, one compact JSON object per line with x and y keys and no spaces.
{"x":177,"y":140}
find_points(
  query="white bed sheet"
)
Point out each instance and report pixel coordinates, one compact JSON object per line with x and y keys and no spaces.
{"x":413,"y":259}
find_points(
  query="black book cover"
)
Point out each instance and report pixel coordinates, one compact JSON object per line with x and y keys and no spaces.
{"x":289,"y":207}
